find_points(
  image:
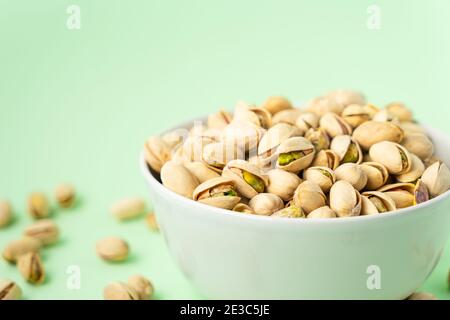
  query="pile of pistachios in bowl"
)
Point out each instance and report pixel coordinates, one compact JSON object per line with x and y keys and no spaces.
{"x":336,"y":156}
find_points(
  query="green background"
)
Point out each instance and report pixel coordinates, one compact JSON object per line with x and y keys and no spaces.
{"x":77,"y":105}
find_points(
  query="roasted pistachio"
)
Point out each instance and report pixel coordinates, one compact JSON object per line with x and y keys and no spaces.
{"x":347,"y":149}
{"x":324,"y":212}
{"x":156,"y":153}
{"x":377,"y":174}
{"x":9,"y":290}
{"x":219,"y":120}
{"x":244,"y":208}
{"x":65,"y":195}
{"x":419,"y":144}
{"x":309,"y":196}
{"x":266,"y":204}
{"x":295,"y":154}
{"x":307,"y":120}
{"x":218,"y":192}
{"x":326,"y":158}
{"x":248,"y":113}
{"x":353,"y":174}
{"x":345,"y":200}
{"x":244,"y":135}
{"x":217,"y":155}
{"x":16,"y":248}
{"x":371,"y":109}
{"x":178,"y":179}
{"x":45,"y":231}
{"x":334,"y":125}
{"x":415,"y":172}
{"x":38,"y":206}
{"x":374,"y":202}
{"x":392,"y":155}
{"x":401,"y":193}
{"x":437,"y":178}
{"x":282,"y":183}
{"x":355,"y":115}
{"x":288,"y":116}
{"x":31,"y":267}
{"x":372,"y":132}
{"x":201,"y":171}
{"x":120,"y":291}
{"x":276,"y":104}
{"x":400,"y":111}
{"x":5,"y":213}
{"x":128,"y":208}
{"x":324,"y":177}
{"x":112,"y":249}
{"x":142,"y":286}
{"x":249,"y":179}
{"x":319,"y":138}
{"x":289,"y":212}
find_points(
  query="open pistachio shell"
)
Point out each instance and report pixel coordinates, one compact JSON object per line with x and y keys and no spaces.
{"x":344,"y":199}
{"x":307,"y":120}
{"x":355,"y":115}
{"x":415,"y":172}
{"x":372,"y":132}
{"x":193,"y":147}
{"x":322,"y":213}
{"x":201,"y":171}
{"x":243,"y":134}
{"x":400,"y":111}
{"x":282,"y":183}
{"x":319,"y":138}
{"x":347,"y":97}
{"x":218,"y":192}
{"x":324,"y":177}
{"x":392,"y":155}
{"x":288,"y":116}
{"x":377,"y":175}
{"x":177,"y":178}
{"x":334,"y":125}
{"x":309,"y":196}
{"x":385,"y":116}
{"x":381,"y":201}
{"x":326,"y":158}
{"x":266,"y":204}
{"x":156,"y":153}
{"x":243,"y":208}
{"x":249,"y":179}
{"x":367,"y":207}
{"x":323,"y":105}
{"x":219,"y":120}
{"x":421,"y":193}
{"x":256,"y":115}
{"x":401,"y":193}
{"x":347,"y":149}
{"x":437,"y":178}
{"x":217,"y":155}
{"x":273,"y":138}
{"x":289,"y":212}
{"x":295,"y":154}
{"x":276,"y":104}
{"x":353,"y":174}
{"x":419,"y":144}
{"x":371,"y":109}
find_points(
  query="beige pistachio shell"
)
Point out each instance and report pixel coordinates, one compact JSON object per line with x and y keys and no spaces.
{"x":273,"y":138}
{"x":288,"y":116}
{"x":411,"y":127}
{"x":347,"y":149}
{"x":217,"y":155}
{"x":249,"y":179}
{"x":201,"y":171}
{"x":371,"y":109}
{"x":319,"y":138}
{"x":322,"y":213}
{"x":173,"y":138}
{"x":355,"y":115}
{"x":381,"y":201}
{"x":385,"y":116}
{"x":243,"y":208}
{"x":243,"y":134}
{"x":377,"y":175}
{"x":372,"y":132}
{"x":367,"y":207}
{"x":437,"y":178}
{"x":334,"y":125}
{"x":392,"y":155}
{"x":219,"y":120}
{"x":401,"y":193}
{"x":419,"y":144}
{"x":120,"y":291}
{"x":156,"y":153}
{"x":5,"y":213}
{"x":324,"y":177}
{"x":415,"y":172}
{"x":323,"y":105}
{"x":177,"y":178}
{"x":421,"y":193}
{"x":353,"y":174}
{"x":276,"y":104}
{"x":400,"y":111}
{"x":295,"y":154}
{"x":217,"y":192}
{"x":289,"y":212}
{"x":14,"y":249}
{"x":345,"y":200}
{"x":258,"y":116}
{"x":309,"y":196}
{"x":307,"y":120}
{"x":282,"y":183}
{"x":31,"y":268}
{"x":9,"y":290}
{"x":347,"y":97}
{"x":266,"y":204}
{"x":326,"y":158}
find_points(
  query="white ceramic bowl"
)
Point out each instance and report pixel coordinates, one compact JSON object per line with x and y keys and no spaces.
{"x":227,"y":255}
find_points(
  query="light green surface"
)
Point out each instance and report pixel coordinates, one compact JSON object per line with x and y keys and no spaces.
{"x":77,"y":105}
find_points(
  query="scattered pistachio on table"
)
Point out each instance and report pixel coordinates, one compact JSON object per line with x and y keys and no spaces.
{"x":5,"y":213}
{"x":65,"y":195}
{"x":9,"y":290}
{"x":38,"y":206}
{"x":112,"y":249}
{"x":338,"y":155}
{"x":16,"y":248}
{"x":45,"y":231}
{"x":31,"y":267}
{"x":128,"y":208}
{"x":142,"y":286}
{"x":120,"y":291}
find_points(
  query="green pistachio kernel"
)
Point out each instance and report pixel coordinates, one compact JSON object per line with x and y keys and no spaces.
{"x":404,"y":159}
{"x":352,"y":154}
{"x":254,"y":181}
{"x":378,"y":204}
{"x":290,"y":212}
{"x":288,"y":157}
{"x":326,"y":174}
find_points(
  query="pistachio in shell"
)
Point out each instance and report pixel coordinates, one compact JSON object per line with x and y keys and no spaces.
{"x":345,"y":200}
{"x":258,"y":116}
{"x":201,"y":171}
{"x":415,"y":172}
{"x":193,"y":146}
{"x":156,"y":153}
{"x":288,"y":116}
{"x":401,"y":193}
{"x":217,"y":192}
{"x":273,"y":137}
{"x":334,"y":125}
{"x":219,"y":120}
{"x":289,"y":212}
{"x":324,"y":212}
{"x":173,"y":138}
{"x":177,"y":178}
{"x":371,"y":109}
{"x":309,"y":196}
{"x":295,"y":154}
{"x":243,"y":208}
{"x":319,"y":138}
{"x":244,"y":135}
{"x":385,"y":116}
{"x":307,"y":120}
{"x":419,"y":144}
{"x":216,"y":155}
{"x":249,"y":179}
{"x":400,"y":111}
{"x":372,"y":132}
{"x":276,"y":104}
{"x":266,"y":204}
{"x":282,"y":183}
{"x":392,"y":155}
{"x":326,"y":158}
{"x":376,"y":202}
{"x":355,"y":115}
{"x":346,"y":97}
{"x":377,"y":175}
{"x":353,"y":174}
{"x":323,"y":105}
{"x":421,"y":193}
{"x":347,"y":149}
{"x":437,"y":178}
{"x":324,"y":177}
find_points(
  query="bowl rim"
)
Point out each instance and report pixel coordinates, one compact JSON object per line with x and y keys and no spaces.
{"x":204,"y":208}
